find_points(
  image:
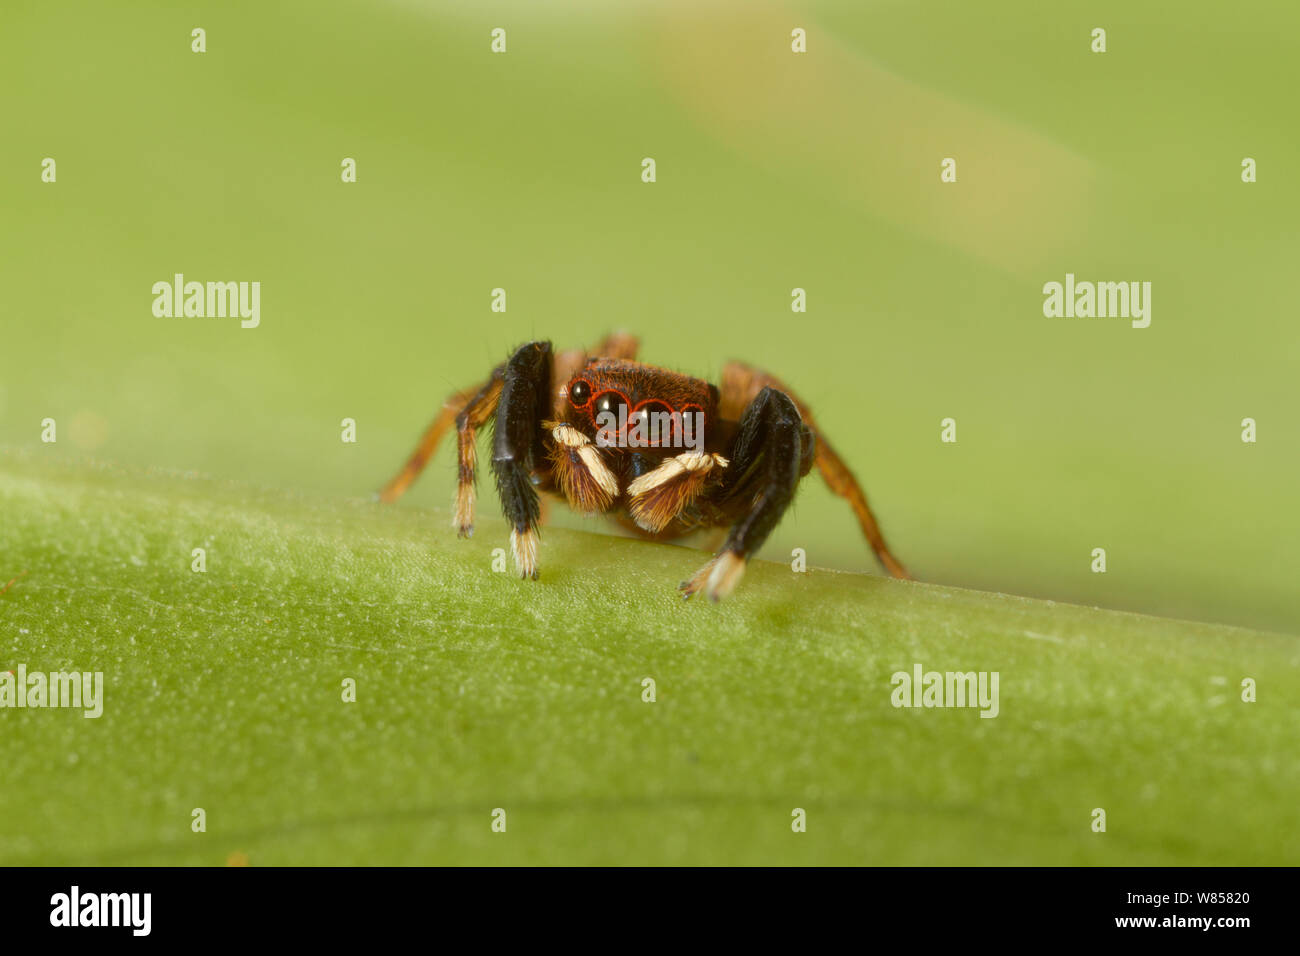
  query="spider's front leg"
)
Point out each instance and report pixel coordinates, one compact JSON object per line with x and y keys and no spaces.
{"x":517,"y":446}
{"x":741,"y":382}
{"x":773,"y":449}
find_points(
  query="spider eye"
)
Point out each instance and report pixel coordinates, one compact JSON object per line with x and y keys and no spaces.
{"x":654,"y":408}
{"x":654,"y":423}
{"x":579,"y":393}
{"x":611,"y":402}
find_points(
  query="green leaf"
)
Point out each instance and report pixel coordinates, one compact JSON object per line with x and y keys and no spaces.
{"x":477,"y":691}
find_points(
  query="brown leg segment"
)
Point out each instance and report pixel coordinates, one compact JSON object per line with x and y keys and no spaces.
{"x":741,"y":384}
{"x":481,"y":409}
{"x":617,"y":345}
{"x":469,"y":411}
{"x":429,"y":442}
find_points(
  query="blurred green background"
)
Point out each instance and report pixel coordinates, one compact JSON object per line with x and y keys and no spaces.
{"x":775,"y":171}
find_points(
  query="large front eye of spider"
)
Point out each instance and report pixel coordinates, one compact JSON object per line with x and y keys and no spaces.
{"x":579,"y":393}
{"x":609,"y":413}
{"x":653,"y":420}
{"x":611,"y":403}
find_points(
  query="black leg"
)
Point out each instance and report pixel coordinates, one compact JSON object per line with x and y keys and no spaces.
{"x":772,"y":450}
{"x":517,"y":446}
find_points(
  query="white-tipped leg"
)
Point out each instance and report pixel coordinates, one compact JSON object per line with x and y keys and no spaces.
{"x":524,"y":548}
{"x":463,"y":520}
{"x":718,"y":578}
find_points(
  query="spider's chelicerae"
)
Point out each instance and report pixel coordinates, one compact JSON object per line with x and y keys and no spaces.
{"x":664,"y":453}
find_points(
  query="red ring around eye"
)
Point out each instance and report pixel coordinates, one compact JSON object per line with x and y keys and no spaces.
{"x":656,"y":438}
{"x":594,"y":410}
{"x":696,"y":427}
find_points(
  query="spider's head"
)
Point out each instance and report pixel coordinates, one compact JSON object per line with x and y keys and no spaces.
{"x":624,"y":404}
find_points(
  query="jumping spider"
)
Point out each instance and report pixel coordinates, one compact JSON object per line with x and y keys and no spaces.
{"x":586,"y":442}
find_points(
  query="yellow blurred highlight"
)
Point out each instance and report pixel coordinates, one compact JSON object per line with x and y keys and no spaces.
{"x":830,"y":119}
